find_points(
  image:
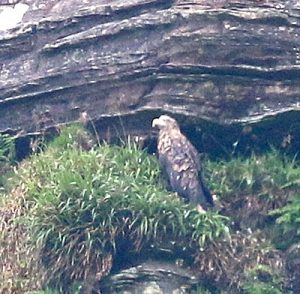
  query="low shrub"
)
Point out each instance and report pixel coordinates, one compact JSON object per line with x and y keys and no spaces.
{"x":76,"y":210}
{"x":250,"y":188}
{"x":288,"y":223}
{"x":87,"y":205}
{"x":257,"y":175}
{"x":263,"y":280}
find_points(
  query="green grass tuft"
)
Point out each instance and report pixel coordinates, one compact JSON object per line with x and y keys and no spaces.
{"x":75,"y":204}
{"x":252,"y":187}
{"x":7,"y":157}
{"x":262,"y":280}
{"x":256,"y":175}
{"x":72,"y":136}
{"x":288,"y":223}
{"x":87,"y":204}
{"x":7,"y":149}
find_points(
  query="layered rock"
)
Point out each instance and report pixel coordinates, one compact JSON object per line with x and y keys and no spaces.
{"x":217,"y":66}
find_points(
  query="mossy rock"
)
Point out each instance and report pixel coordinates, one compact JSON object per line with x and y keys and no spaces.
{"x":90,"y":206}
{"x":87,"y":206}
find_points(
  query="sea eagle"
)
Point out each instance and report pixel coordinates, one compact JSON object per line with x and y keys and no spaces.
{"x":180,"y":162}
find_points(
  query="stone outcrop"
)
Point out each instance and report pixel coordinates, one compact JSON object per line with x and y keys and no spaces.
{"x":151,"y":277}
{"x":229,"y":71}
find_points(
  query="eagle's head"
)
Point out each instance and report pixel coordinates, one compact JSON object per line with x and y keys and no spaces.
{"x":165,"y":122}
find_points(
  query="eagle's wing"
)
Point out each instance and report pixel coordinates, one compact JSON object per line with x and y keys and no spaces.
{"x":195,"y":156}
{"x":180,"y":160}
{"x":184,"y":155}
{"x":192,"y":153}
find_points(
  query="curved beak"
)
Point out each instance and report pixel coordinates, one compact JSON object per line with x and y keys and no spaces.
{"x":155,"y":122}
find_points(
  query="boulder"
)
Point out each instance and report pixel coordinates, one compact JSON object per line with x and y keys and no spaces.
{"x":151,"y":277}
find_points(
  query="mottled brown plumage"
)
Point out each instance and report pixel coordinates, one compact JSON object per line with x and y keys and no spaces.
{"x":180,"y":161}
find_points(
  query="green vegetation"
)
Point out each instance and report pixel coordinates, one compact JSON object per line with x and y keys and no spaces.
{"x":72,"y":204}
{"x":288,"y":223}
{"x":261,"y":176}
{"x":6,"y":148}
{"x":254,"y":186}
{"x":262,"y":280}
{"x":82,"y":206}
{"x":44,"y":292}
{"x":7,"y":155}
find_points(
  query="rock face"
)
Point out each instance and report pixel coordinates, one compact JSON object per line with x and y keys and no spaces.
{"x":217,"y":66}
{"x":151,"y":277}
